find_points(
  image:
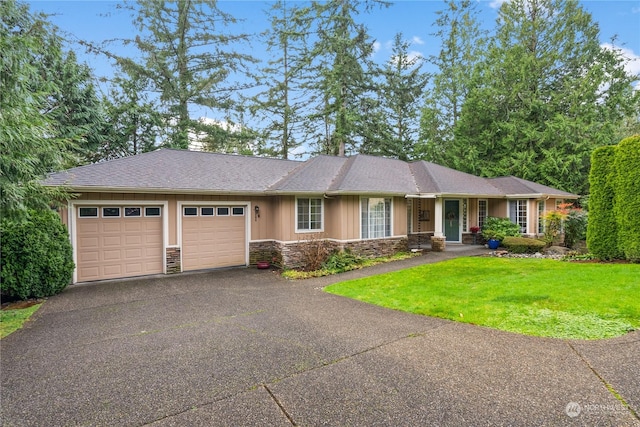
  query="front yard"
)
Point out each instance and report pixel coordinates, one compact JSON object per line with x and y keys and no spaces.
{"x":539,"y":297}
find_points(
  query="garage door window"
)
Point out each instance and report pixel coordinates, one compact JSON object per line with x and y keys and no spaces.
{"x":206,"y":211}
{"x":223,"y":211}
{"x":110,"y":212}
{"x":151,"y":211}
{"x":190,"y":211}
{"x":238,"y":211}
{"x":132,"y":212}
{"x":88,"y":212}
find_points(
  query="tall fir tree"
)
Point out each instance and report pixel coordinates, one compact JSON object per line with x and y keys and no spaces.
{"x":463,"y":43}
{"x":280,"y":104}
{"x":546,"y":95}
{"x":341,"y":78}
{"x":188,"y":57}
{"x":400,"y":95}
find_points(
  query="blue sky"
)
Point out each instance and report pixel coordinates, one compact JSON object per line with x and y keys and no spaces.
{"x":97,"y":21}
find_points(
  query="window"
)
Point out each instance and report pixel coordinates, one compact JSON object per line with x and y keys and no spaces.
{"x":541,"y":217}
{"x":151,"y":211}
{"x":518,"y":213}
{"x":88,"y":212}
{"x":132,"y":212}
{"x":190,"y":211}
{"x":375,"y":218}
{"x":482,"y":212}
{"x":110,"y":212}
{"x":223,"y":211}
{"x":309,"y":214}
{"x":206,"y":211}
{"x":237,"y":211}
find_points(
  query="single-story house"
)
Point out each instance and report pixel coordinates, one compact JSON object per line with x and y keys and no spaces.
{"x":171,"y":210}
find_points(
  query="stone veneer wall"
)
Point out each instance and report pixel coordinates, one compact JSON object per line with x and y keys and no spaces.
{"x":173,"y":260}
{"x":422,"y":238}
{"x":290,"y":255}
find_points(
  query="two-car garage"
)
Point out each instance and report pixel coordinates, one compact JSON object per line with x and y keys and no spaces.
{"x":129,"y":239}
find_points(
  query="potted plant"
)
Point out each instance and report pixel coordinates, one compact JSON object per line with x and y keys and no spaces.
{"x":496,"y":229}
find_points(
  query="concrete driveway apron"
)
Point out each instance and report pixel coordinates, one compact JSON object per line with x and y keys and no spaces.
{"x":246,"y":347}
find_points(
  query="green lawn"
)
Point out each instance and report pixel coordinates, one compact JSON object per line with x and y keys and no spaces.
{"x":12,"y":320}
{"x":539,"y":297}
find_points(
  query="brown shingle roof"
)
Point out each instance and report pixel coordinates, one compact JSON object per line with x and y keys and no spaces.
{"x":178,"y":171}
{"x":435,"y":179}
{"x":521,"y":187}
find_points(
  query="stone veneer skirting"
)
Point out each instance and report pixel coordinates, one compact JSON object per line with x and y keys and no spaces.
{"x":289,"y":254}
{"x":173,"y":260}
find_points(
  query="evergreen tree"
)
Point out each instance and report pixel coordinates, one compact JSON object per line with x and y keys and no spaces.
{"x":188,"y":58}
{"x":400,"y":95}
{"x":280,"y":104}
{"x":32,"y":141}
{"x":134,"y":122}
{"x":463,"y":44}
{"x":341,"y":79}
{"x":546,"y":95}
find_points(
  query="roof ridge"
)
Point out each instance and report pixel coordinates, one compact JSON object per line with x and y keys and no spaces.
{"x":338,"y":179}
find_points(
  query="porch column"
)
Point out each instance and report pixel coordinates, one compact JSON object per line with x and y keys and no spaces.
{"x":437,"y":218}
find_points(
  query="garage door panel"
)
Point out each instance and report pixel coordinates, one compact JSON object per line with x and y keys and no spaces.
{"x":111,"y":248}
{"x":213,"y":241}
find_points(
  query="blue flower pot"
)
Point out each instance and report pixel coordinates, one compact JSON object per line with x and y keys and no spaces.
{"x":493,"y":243}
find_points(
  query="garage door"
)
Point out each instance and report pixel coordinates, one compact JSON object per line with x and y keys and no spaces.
{"x":213,"y":236}
{"x":118,"y":241}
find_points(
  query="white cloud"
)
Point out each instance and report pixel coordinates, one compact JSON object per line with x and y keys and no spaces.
{"x":632,"y":64}
{"x":417,"y":40}
{"x":376,"y":47}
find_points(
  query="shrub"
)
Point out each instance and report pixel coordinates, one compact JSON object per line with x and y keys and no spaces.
{"x":627,"y":197}
{"x":552,"y":226}
{"x":602,"y":229}
{"x":36,"y":256}
{"x":499,"y":228}
{"x":523,"y":245}
{"x":314,"y":252}
{"x":575,"y":228}
{"x":342,"y":261}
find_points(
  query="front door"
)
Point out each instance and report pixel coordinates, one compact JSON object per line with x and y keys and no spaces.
{"x":452,"y":220}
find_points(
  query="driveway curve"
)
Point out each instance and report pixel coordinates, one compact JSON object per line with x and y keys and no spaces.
{"x":246,"y":347}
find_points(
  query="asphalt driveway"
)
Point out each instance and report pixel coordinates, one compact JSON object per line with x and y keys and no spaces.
{"x":245,"y":347}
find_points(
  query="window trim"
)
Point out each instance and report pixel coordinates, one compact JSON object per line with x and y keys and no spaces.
{"x":146,"y":215}
{"x":184,"y":211}
{"x":297,"y":213}
{"x":119,"y":208}
{"x":223,"y":214}
{"x":213,"y":211}
{"x":133,"y":216}
{"x":97,"y":215}
{"x":360,"y":218}
{"x":523,"y":229}
{"x":233,"y":213}
{"x":481,"y":220}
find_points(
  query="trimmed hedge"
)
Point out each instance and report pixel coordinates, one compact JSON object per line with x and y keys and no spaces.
{"x":523,"y":245}
{"x":627,"y":197}
{"x":499,"y":228}
{"x":36,"y":258}
{"x":602,"y":229}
